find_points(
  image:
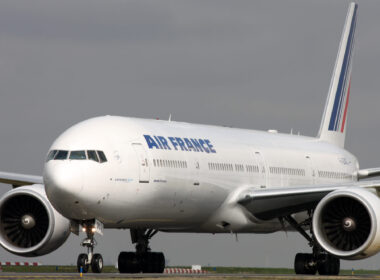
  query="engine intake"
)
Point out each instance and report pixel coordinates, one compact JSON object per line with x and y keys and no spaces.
{"x":346,"y":223}
{"x":29,"y":225}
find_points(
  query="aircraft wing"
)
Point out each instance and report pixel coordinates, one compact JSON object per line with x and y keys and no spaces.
{"x":272,"y":203}
{"x":368,"y":173}
{"x":16,"y":179}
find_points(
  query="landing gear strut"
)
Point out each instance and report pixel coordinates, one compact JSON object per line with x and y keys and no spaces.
{"x":319,"y":260}
{"x":85,"y":260}
{"x":143,"y":260}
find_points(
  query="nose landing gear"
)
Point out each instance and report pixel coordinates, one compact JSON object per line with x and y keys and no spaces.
{"x":143,"y":260}
{"x":85,"y":260}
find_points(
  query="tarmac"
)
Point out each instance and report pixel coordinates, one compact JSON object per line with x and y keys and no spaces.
{"x":88,"y":276}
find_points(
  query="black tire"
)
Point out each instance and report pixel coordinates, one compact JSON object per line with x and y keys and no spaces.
{"x":128,"y":263}
{"x":147,"y":263}
{"x":153,"y":262}
{"x":302,"y":264}
{"x":159,"y":262}
{"x":328,"y":265}
{"x":97,"y":263}
{"x":81,"y":263}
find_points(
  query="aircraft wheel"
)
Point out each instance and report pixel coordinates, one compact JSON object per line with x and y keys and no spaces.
{"x":97,"y":263}
{"x":153,"y":262}
{"x":159,"y":262}
{"x":128,"y":263}
{"x":147,"y":263}
{"x":303,"y":264}
{"x":82,"y":263}
{"x":328,"y":265}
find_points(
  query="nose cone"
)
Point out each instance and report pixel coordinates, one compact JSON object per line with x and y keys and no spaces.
{"x":63,"y":184}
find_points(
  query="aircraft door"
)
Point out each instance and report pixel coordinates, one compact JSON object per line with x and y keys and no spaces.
{"x":310,"y":172}
{"x":197,"y":167}
{"x":142,"y":158}
{"x":262,"y":169}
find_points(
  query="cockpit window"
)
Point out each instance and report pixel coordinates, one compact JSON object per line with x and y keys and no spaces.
{"x":78,"y":155}
{"x":51,"y":155}
{"x":102,"y":156}
{"x":97,"y":156}
{"x":92,"y":155}
{"x":61,"y":155}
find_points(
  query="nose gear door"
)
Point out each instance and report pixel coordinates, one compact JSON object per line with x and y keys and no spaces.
{"x":142,"y":158}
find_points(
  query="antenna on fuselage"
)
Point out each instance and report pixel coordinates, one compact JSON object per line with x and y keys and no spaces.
{"x":170,"y":118}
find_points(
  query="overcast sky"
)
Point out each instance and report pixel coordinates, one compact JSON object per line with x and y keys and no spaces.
{"x":251,"y":64}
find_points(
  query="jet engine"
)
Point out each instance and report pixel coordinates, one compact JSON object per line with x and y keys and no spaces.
{"x":29,"y":225}
{"x":346,"y":223}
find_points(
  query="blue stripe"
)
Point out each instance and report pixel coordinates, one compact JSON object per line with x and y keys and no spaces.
{"x":339,"y":96}
{"x":341,"y":85}
{"x":344,"y":89}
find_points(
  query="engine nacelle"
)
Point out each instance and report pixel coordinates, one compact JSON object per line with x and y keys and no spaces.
{"x":346,"y":223}
{"x":29,"y":225}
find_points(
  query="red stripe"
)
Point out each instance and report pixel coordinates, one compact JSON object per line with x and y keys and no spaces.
{"x":345,"y":108}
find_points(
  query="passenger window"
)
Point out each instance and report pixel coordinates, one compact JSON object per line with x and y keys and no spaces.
{"x":61,"y":155}
{"x":51,"y":155}
{"x":78,"y":155}
{"x":102,"y":156}
{"x":92,"y":155}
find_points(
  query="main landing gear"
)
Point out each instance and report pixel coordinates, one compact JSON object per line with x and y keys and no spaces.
{"x":143,"y":260}
{"x":85,"y":260}
{"x":319,"y":260}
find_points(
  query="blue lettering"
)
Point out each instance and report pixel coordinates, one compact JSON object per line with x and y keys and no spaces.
{"x":150,"y":142}
{"x":210,"y":146}
{"x":175,"y":144}
{"x":189,"y":145}
{"x":164,"y":142}
{"x":197,"y":146}
{"x":202,"y":144}
{"x":158,"y":141}
{"x":181,"y":143}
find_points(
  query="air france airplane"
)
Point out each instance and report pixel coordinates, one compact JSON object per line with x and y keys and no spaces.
{"x":154,"y":176}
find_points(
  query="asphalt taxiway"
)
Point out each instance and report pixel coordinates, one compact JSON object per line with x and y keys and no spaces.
{"x":88,"y":276}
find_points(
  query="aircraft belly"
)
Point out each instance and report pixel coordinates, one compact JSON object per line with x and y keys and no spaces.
{"x":167,"y":203}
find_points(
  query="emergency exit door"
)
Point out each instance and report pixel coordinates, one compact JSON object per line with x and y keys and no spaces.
{"x":142,"y":159}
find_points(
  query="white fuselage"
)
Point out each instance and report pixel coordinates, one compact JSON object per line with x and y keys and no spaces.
{"x":177,"y":186}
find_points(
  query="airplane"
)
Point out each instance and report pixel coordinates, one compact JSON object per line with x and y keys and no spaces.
{"x":153,"y":176}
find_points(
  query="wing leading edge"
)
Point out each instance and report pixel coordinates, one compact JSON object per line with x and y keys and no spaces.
{"x":267,"y":204}
{"x":368,"y":173}
{"x":17,"y":180}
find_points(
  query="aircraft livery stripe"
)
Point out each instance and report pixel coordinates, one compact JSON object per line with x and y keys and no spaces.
{"x":345,"y":108}
{"x":339,"y":96}
{"x":346,"y":77}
